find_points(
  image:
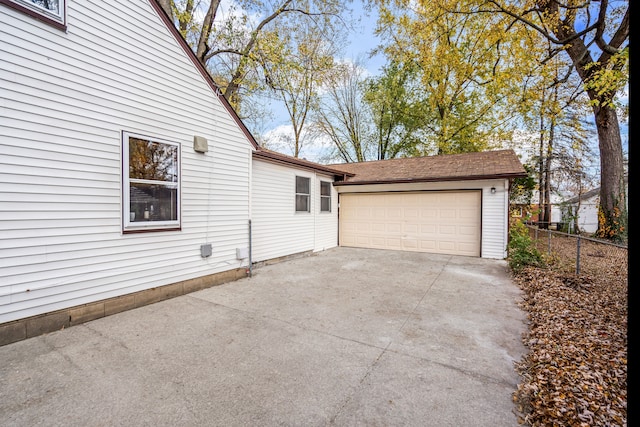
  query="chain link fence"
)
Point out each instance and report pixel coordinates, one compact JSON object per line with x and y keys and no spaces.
{"x":577,"y":254}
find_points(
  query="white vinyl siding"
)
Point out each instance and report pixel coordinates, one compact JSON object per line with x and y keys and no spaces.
{"x":66,"y":98}
{"x":494,"y":224}
{"x":277,"y":230}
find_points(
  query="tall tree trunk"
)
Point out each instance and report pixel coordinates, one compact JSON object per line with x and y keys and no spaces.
{"x":547,"y":174}
{"x":203,"y":47}
{"x":613,"y":205}
{"x":613,"y":200}
{"x":541,"y":186}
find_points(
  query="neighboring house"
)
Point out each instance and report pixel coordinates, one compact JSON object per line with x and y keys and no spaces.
{"x":531,"y":213}
{"x":127,"y":178}
{"x":586,"y":215}
{"x":584,"y":209}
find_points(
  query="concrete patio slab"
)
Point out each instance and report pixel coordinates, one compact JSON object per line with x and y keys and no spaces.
{"x":346,"y":337}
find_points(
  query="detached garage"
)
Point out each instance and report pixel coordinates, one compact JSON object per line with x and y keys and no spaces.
{"x":449,"y":204}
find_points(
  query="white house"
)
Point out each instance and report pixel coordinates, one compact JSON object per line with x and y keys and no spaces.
{"x":584,"y":208}
{"x":123,"y":168}
{"x":127,"y":178}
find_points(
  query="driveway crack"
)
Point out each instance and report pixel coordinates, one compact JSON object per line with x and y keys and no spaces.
{"x":348,"y":399}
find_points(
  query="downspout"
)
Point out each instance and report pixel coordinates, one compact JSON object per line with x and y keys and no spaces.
{"x":507,"y":222}
{"x":316,"y":209}
{"x":250,"y":262}
{"x":250,"y":269}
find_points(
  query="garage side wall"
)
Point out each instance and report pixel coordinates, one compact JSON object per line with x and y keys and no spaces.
{"x":494,"y":218}
{"x":277,"y":229}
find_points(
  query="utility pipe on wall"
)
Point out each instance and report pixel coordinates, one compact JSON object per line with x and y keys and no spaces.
{"x":250,"y":262}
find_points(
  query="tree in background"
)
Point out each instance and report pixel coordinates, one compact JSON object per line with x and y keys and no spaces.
{"x":342,"y":115}
{"x":581,"y":30}
{"x":235,"y":47}
{"x":469,"y":72}
{"x":396,"y":105}
{"x":296,"y":76}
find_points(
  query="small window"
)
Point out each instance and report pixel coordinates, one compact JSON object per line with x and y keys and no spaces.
{"x":303,"y":194}
{"x":51,"y":11}
{"x":325,"y":196}
{"x":151,"y":177}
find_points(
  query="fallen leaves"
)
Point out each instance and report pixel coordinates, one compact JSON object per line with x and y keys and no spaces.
{"x":575,"y":371}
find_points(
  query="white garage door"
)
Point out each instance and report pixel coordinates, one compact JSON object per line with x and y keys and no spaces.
{"x":446,"y":222}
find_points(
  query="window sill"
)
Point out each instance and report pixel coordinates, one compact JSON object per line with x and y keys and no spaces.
{"x":138,"y":230}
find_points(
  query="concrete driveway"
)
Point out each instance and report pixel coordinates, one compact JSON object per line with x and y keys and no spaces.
{"x":346,"y":337}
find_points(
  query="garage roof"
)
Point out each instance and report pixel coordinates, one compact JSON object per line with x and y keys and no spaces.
{"x":448,"y":167}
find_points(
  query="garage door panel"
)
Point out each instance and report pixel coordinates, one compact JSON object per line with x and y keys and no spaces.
{"x":428,"y":245}
{"x":446,"y":230}
{"x":430,"y":213}
{"x":394,"y":227}
{"x":444,"y":245}
{"x":410,"y":213}
{"x":393,"y":243}
{"x":363,"y":227}
{"x":467,"y":213}
{"x":426,"y":229}
{"x":378,"y":227}
{"x":410,"y":244}
{"x":439,"y":222}
{"x":447,"y":213}
{"x":363,"y":212}
{"x":467,"y":231}
{"x":411,"y":228}
{"x":394,"y":213}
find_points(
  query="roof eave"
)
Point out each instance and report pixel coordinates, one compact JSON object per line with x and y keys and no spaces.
{"x":305,"y":164}
{"x":433,"y":179}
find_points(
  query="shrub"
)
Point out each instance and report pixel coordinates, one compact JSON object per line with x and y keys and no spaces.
{"x":520,"y":250}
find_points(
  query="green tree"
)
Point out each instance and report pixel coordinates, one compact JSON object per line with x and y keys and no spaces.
{"x":396,"y":105}
{"x":469,"y":72}
{"x":595,"y":37}
{"x":297,"y":76}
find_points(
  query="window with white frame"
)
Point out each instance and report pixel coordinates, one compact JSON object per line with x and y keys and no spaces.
{"x":325,"y":196}
{"x":151,"y":178}
{"x":51,"y":10}
{"x":303,"y":194}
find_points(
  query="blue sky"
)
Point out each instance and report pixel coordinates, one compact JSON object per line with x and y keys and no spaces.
{"x":360,"y":43}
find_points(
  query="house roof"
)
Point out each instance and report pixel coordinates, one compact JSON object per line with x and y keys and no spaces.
{"x":584,"y":196}
{"x":449,"y":167}
{"x":273,"y":156}
{"x":591,"y":193}
{"x":203,"y":71}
